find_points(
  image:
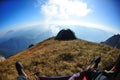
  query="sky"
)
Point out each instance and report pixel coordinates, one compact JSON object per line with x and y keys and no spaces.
{"x":99,"y":14}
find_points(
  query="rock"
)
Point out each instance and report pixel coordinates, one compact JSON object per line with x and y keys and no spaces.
{"x":2,"y":58}
{"x":65,"y":34}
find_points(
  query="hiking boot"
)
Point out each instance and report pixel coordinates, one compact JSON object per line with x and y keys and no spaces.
{"x":19,"y":68}
{"x":96,"y":60}
{"x":94,"y":63}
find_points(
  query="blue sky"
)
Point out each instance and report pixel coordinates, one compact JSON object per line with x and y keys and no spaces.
{"x":16,"y":12}
{"x":98,"y":14}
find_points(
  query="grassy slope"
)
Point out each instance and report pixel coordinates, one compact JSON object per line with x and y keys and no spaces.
{"x":52,"y":57}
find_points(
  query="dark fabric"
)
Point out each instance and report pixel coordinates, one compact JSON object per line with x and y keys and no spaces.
{"x":117,"y":64}
{"x":91,"y":74}
{"x":82,"y":75}
{"x":117,"y":67}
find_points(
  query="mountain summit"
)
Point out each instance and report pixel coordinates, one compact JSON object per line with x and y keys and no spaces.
{"x":113,"y":41}
{"x":65,"y":34}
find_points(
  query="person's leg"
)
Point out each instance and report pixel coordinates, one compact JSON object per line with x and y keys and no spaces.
{"x":21,"y":73}
{"x":74,"y":76}
{"x":103,"y":78}
{"x":94,"y":63}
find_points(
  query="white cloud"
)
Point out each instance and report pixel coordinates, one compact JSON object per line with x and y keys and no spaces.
{"x":54,"y":29}
{"x":64,"y":9}
{"x":84,"y":24}
{"x":68,"y":12}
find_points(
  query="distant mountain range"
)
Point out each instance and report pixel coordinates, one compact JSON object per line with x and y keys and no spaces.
{"x":14,"y":45}
{"x":113,"y":41}
{"x":15,"y":41}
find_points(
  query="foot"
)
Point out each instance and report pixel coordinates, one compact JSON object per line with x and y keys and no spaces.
{"x":94,"y":63}
{"x":19,"y":68}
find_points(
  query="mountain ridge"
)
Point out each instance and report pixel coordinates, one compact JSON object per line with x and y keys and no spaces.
{"x":16,"y":41}
{"x":113,"y":41}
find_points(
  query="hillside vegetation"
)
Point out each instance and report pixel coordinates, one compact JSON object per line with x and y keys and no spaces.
{"x":55,"y":58}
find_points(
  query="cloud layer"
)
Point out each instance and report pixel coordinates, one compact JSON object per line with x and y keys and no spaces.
{"x":69,"y":12}
{"x":64,"y":9}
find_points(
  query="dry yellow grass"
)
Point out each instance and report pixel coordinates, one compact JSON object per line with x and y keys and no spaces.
{"x":56,"y":58}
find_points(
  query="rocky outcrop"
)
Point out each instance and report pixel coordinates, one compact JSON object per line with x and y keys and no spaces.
{"x":31,"y":45}
{"x":2,"y":58}
{"x":65,"y":34}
